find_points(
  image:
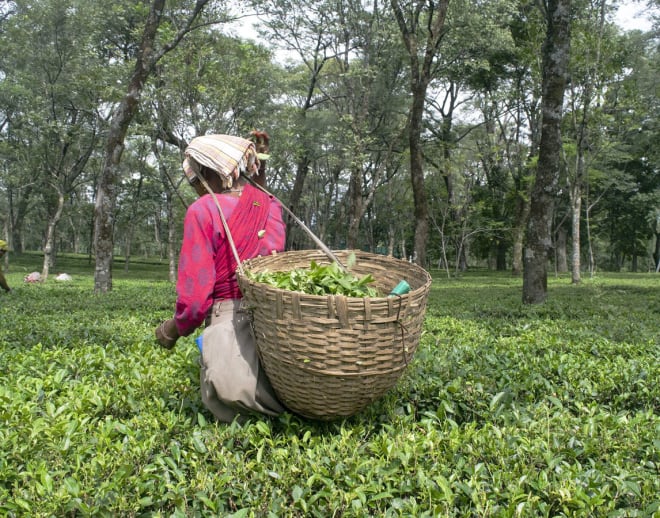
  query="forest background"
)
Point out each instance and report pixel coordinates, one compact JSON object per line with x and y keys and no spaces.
{"x":330,"y":81}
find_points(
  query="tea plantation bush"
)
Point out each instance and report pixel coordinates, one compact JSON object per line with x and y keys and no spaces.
{"x":506,"y":410}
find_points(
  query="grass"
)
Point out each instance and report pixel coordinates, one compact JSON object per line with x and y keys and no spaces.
{"x":506,"y":410}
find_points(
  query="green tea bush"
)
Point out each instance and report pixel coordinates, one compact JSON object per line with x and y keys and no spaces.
{"x":506,"y":410}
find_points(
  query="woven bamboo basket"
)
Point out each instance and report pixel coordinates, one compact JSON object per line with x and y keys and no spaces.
{"x":330,"y":356}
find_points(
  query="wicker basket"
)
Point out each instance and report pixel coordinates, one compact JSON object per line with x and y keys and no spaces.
{"x":330,"y":356}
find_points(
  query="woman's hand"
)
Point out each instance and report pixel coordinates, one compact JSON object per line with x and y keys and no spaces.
{"x":262,"y":145}
{"x":167,"y":334}
{"x":261,"y":141}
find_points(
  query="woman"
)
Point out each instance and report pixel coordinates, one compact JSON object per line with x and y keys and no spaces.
{"x":3,"y":281}
{"x":232,"y":382}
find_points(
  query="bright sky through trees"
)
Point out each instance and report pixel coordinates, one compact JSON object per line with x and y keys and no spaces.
{"x":633,"y":15}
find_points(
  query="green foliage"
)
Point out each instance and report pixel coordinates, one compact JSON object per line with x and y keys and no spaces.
{"x":318,"y":279}
{"x":506,"y":410}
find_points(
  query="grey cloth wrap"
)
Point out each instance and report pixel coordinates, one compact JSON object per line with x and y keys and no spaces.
{"x":233,"y":383}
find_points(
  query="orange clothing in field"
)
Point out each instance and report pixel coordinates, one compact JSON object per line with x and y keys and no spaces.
{"x":3,"y":281}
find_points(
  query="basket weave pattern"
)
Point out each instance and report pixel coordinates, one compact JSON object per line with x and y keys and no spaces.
{"x":329,"y":356}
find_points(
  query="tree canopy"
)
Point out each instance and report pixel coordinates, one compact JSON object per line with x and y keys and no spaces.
{"x":402,"y":127}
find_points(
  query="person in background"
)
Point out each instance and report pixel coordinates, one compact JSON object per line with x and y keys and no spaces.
{"x":3,"y":281}
{"x":231,"y":378}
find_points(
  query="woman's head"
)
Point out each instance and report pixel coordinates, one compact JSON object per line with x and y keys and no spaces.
{"x":226,"y":156}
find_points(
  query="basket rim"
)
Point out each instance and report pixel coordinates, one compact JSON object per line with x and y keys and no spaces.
{"x":412,"y":293}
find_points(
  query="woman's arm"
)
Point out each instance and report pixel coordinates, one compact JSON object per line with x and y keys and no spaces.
{"x":196,"y":275}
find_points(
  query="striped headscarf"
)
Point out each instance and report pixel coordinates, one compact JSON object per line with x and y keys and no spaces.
{"x":227,"y":155}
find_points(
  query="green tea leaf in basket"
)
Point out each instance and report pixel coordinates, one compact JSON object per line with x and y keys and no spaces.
{"x":319,"y":279}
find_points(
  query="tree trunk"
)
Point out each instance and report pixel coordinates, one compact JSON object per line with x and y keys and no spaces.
{"x":157,"y":229}
{"x":302,"y":169}
{"x":171,"y":248}
{"x":17,"y":212}
{"x":106,"y":198}
{"x":391,"y":229}
{"x":6,"y":234}
{"x":75,"y":233}
{"x":582,"y":133}
{"x":304,"y":159}
{"x":560,"y":255}
{"x":128,"y":236}
{"x":421,"y":210}
{"x":420,"y":73}
{"x":355,"y":209}
{"x":523,"y":191}
{"x":128,"y":242}
{"x":556,"y":50}
{"x":501,"y":248}
{"x":169,"y":188}
{"x":592,"y":258}
{"x":576,"y":210}
{"x":522,"y":211}
{"x":171,"y":235}
{"x":49,"y":243}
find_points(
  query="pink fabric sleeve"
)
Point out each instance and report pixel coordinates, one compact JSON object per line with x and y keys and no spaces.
{"x":196,"y":275}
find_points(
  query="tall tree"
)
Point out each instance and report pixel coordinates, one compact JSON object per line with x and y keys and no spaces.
{"x":584,"y":89}
{"x":52,"y":118}
{"x":169,"y":187}
{"x":474,"y":64}
{"x":629,"y":192}
{"x":146,"y":58}
{"x":525,"y":91}
{"x":556,"y":53}
{"x":422,"y":26}
{"x":368,"y":98}
{"x":303,"y":29}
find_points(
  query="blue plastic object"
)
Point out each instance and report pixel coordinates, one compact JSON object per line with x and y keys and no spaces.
{"x":400,"y":289}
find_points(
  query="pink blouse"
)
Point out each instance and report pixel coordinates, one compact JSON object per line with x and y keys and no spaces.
{"x":206,"y":262}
